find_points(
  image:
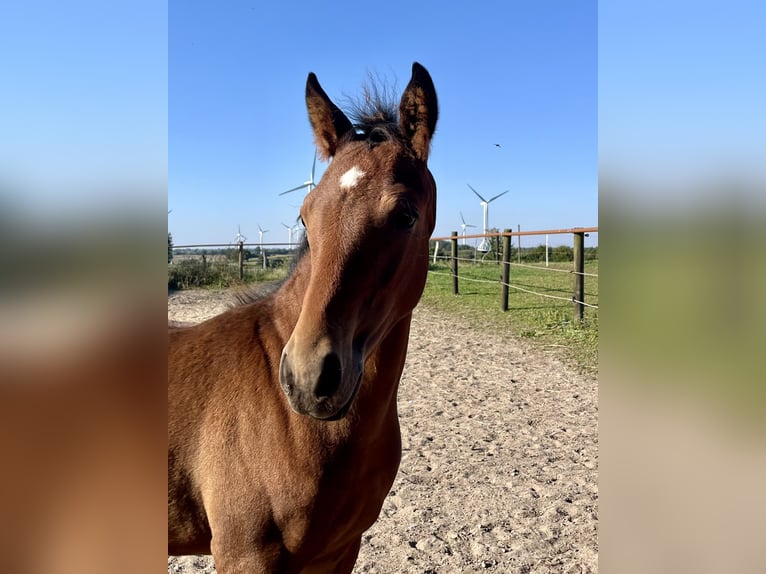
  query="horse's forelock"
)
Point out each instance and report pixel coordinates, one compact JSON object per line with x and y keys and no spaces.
{"x":376,"y":108}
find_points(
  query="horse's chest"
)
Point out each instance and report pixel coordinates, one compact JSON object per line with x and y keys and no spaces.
{"x":344,"y":500}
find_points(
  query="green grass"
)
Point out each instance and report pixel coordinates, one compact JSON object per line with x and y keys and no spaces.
{"x":547,"y":322}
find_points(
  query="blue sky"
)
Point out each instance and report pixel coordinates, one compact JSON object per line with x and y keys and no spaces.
{"x":122,"y":100}
{"x":83,"y":106}
{"x":681,"y":95}
{"x":522,"y":75}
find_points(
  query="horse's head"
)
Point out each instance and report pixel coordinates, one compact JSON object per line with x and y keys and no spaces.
{"x":368,"y":224}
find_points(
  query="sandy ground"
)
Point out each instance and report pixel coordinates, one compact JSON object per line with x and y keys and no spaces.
{"x":499,"y":466}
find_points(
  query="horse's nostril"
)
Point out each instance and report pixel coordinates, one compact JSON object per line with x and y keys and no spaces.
{"x":286,"y":377}
{"x":329,"y":379}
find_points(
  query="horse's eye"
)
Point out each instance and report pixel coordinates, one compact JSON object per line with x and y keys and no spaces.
{"x":404,"y":218}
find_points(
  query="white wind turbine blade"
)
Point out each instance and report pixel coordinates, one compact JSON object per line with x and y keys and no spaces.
{"x":261,"y":231}
{"x":307,"y":184}
{"x":289,"y":234}
{"x":239,"y":237}
{"x":463,"y":220}
{"x":295,"y":188}
{"x":477,"y":193}
{"x":498,"y":195}
{"x":297,"y":230}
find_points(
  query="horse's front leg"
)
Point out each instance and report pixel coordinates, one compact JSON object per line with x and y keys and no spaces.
{"x":250,"y":559}
{"x":346,"y":564}
{"x":263,"y":561}
{"x":341,"y":563}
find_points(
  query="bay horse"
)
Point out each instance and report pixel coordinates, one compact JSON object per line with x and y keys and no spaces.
{"x":283,"y":431}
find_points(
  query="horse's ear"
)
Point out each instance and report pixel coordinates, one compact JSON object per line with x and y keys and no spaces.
{"x":327,"y":121}
{"x":418,"y":111}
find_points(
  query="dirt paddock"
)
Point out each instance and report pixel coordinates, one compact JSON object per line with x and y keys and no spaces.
{"x":499,"y":462}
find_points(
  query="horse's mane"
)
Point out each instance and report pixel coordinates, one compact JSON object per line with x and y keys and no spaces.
{"x":253,"y":293}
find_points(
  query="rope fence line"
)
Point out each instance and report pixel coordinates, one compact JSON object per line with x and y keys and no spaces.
{"x":512,"y":286}
{"x":578,"y":272}
{"x":440,"y":273}
{"x":511,"y":233}
{"x":528,"y":266}
{"x":464,"y":278}
{"x":569,"y":299}
{"x":447,"y":258}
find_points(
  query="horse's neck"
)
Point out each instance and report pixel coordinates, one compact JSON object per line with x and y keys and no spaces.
{"x":376,"y":403}
{"x":289,"y":299}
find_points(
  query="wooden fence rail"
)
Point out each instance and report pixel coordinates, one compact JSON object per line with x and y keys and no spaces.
{"x":578,"y":233}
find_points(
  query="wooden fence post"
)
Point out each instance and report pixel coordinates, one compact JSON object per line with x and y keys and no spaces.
{"x":579,"y":278}
{"x":506,"y":278}
{"x":241,"y":250}
{"x":453,"y":241}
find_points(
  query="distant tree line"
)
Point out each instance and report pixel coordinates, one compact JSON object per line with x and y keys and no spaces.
{"x":536,"y":254}
{"x":280,"y":257}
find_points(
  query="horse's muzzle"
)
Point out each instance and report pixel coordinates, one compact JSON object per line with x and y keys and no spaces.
{"x":318,"y":386}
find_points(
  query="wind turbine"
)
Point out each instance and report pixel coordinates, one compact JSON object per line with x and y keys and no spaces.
{"x":239,"y":237}
{"x":299,"y":231}
{"x":484,"y":246}
{"x":307,"y":184}
{"x":464,"y":225}
{"x":290,"y":231}
{"x":261,"y":231}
